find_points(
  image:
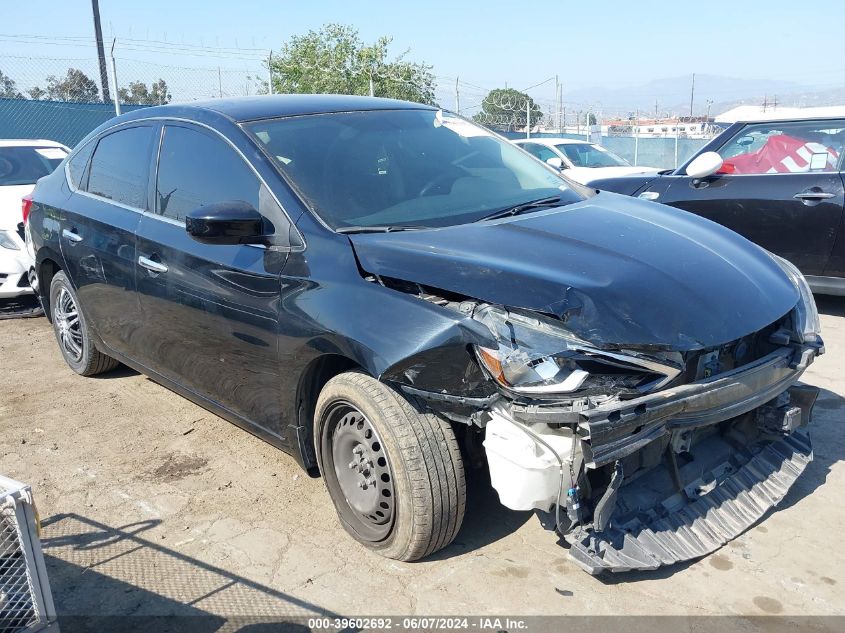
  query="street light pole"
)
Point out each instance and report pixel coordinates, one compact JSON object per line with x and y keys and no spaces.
{"x":114,"y":79}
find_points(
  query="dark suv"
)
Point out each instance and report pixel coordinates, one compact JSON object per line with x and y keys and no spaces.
{"x":375,"y":286}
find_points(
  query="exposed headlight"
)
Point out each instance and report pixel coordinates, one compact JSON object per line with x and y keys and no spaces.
{"x":538,"y":356}
{"x":7,"y":241}
{"x":807,"y":323}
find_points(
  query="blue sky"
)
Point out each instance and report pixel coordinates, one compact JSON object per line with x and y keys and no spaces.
{"x":587,"y":43}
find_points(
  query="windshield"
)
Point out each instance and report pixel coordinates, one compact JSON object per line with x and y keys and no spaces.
{"x":591,"y":155}
{"x":25,"y":165}
{"x":404,"y":167}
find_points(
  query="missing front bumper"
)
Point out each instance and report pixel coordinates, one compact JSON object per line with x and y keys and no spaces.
{"x":703,"y":524}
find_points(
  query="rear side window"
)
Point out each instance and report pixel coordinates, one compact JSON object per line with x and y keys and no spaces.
{"x":120,"y":166}
{"x":196,"y":169}
{"x":78,"y":162}
{"x":25,"y":165}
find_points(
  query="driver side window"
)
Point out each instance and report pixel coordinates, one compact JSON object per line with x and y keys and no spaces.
{"x":790,"y":147}
{"x":196,"y":169}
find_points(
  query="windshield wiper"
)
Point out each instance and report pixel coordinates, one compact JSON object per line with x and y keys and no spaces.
{"x":522,"y":207}
{"x":389,"y":228}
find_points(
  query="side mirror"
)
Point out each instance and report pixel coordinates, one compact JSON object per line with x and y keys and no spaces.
{"x":704,"y":165}
{"x":230,"y":222}
{"x":555,"y":162}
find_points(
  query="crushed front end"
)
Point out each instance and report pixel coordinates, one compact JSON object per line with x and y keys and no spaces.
{"x":637,"y":456}
{"x":661,"y":478}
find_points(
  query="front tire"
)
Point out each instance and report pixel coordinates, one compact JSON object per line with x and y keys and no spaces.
{"x":394,"y":473}
{"x":72,"y":332}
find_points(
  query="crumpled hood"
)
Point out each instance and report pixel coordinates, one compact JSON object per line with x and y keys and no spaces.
{"x":617,"y":270}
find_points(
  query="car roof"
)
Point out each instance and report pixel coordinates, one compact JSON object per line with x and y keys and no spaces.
{"x":29,"y":142}
{"x":785,"y":119}
{"x":270,"y":106}
{"x":545,"y":140}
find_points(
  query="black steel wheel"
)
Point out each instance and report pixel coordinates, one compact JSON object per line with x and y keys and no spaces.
{"x":393,"y":470}
{"x":362,"y":470}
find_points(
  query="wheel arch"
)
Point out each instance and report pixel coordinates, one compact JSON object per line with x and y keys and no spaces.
{"x":315,"y":376}
{"x":46,"y":269}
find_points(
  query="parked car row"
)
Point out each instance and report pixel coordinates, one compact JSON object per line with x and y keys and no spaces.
{"x":580,"y":161}
{"x":369,"y":284}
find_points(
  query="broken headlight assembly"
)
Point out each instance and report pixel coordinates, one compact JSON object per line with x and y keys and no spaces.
{"x":806,"y":315}
{"x":538,"y":357}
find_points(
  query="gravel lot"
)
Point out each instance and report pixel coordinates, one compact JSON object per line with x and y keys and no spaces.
{"x":151,"y":505}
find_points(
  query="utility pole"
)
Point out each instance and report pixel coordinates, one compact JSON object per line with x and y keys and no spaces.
{"x":101,"y":53}
{"x":561,"y":112}
{"x":372,"y":87}
{"x":557,"y":98}
{"x":691,"y":95}
{"x":457,"y":96}
{"x":270,"y":73}
{"x":219,"y":82}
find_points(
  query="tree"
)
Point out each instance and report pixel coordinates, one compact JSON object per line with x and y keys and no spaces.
{"x":8,"y":88}
{"x":336,"y":60}
{"x":138,"y":93}
{"x":590,"y":119}
{"x":508,"y":108}
{"x":36,"y":93}
{"x":75,"y":86}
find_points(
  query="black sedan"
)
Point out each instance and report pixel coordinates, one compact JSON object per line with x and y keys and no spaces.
{"x":380,"y":287}
{"x":778,"y":183}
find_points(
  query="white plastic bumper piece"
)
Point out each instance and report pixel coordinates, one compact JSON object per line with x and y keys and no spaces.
{"x":525,"y":473}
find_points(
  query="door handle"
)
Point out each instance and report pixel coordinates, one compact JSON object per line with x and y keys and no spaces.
{"x":71,"y":235}
{"x":152,"y":266}
{"x":814,"y":195}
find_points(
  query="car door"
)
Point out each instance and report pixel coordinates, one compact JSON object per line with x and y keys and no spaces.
{"x":110,"y":182}
{"x":779,"y":186}
{"x":210,"y":312}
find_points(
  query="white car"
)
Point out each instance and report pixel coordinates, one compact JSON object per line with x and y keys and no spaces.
{"x":22,"y":163}
{"x":580,"y":161}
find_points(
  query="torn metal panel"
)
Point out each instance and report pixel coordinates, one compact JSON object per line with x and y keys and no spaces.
{"x":590,"y":265}
{"x":449,"y":369}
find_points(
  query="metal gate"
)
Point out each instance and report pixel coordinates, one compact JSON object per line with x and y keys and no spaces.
{"x":25,"y":600}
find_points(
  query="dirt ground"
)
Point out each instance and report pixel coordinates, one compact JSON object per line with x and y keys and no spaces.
{"x":151,"y":505}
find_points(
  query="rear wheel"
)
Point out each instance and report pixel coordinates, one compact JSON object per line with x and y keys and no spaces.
{"x":72,"y":331}
{"x":394,"y":472}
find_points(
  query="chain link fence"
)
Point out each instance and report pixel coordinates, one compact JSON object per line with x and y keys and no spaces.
{"x":63,"y":99}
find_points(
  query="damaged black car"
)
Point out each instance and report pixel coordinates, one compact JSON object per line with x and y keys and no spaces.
{"x":382,"y":289}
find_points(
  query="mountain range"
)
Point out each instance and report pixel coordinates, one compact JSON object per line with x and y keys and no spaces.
{"x":671,"y":96}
